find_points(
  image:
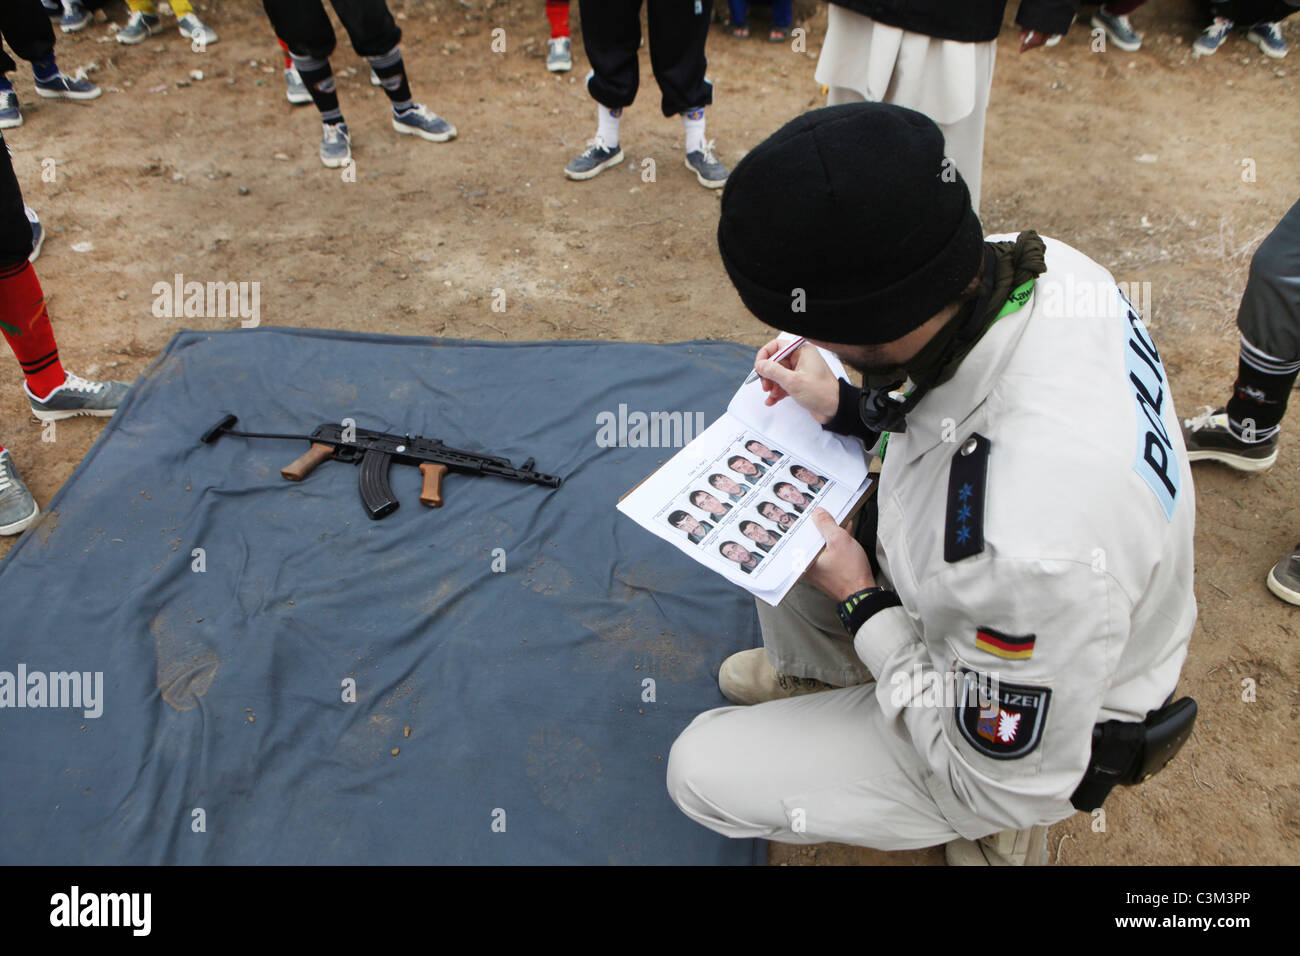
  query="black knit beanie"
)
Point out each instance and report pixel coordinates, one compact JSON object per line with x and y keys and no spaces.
{"x":854,"y":207}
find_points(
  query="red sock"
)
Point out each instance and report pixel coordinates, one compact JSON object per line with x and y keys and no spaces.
{"x":288,"y":62}
{"x":557,"y":11}
{"x":26,"y":327}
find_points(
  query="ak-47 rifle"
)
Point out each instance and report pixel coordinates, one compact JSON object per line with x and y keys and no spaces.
{"x":376,"y":451}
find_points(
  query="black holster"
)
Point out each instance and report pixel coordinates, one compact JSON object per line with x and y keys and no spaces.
{"x":1127,"y":752}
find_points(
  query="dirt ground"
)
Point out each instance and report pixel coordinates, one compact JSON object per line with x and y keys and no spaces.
{"x":218,"y":179}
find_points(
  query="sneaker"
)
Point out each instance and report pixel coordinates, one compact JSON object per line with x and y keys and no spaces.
{"x":38,"y":232}
{"x":192,"y":28}
{"x":64,"y":87}
{"x":1026,"y":847}
{"x":295,"y":90}
{"x":1284,"y":579}
{"x":75,"y":16}
{"x":53,"y":9}
{"x":704,"y":163}
{"x":1212,"y":37}
{"x":10,"y":115}
{"x":374,"y":79}
{"x":1268,"y":37}
{"x":595,"y":159}
{"x":335,"y":145}
{"x":418,"y":121}
{"x":748,"y":677}
{"x":1119,"y":30}
{"x":77,"y":396}
{"x":139,"y":27}
{"x":17,"y":506}
{"x":559,"y":55}
{"x":1209,"y":437}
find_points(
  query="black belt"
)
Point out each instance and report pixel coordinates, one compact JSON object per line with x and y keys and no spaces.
{"x":1128,"y":752}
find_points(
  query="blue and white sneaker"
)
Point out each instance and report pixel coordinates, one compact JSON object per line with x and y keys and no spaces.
{"x":295,"y":90}
{"x":559,"y":55}
{"x":593,"y":161}
{"x":53,"y":9}
{"x":418,"y":121}
{"x":1268,"y":37}
{"x":78,"y":396}
{"x":10,"y":115}
{"x":38,"y":232}
{"x":64,"y":87}
{"x":75,"y":16}
{"x":192,"y":28}
{"x":17,"y":506}
{"x":1120,"y":31}
{"x":706,"y":167}
{"x":335,"y":145}
{"x":1212,"y":37}
{"x":139,"y":27}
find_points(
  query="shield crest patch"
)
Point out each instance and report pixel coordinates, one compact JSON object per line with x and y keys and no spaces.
{"x":1007,"y":725}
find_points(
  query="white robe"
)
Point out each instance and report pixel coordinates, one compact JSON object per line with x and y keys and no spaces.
{"x":947,"y":80}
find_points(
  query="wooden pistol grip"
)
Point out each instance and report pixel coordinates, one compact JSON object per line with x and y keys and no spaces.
{"x":301,"y":467}
{"x":431,"y":493}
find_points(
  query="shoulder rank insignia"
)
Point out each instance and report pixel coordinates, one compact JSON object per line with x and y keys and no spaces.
{"x":1005,"y":722}
{"x":963,"y":532}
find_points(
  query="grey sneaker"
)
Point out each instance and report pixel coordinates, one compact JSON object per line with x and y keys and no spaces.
{"x":1210,"y":437}
{"x":1212,"y":37}
{"x":335,"y":145}
{"x":10,"y":115}
{"x":1268,"y":37}
{"x":295,"y":90}
{"x":418,"y":121}
{"x":374,"y":79}
{"x":706,"y":167}
{"x":192,"y":28}
{"x":1284,"y":579}
{"x":559,"y":55}
{"x":593,"y":160}
{"x":1119,"y":30}
{"x":139,"y":27}
{"x":17,"y":506}
{"x":77,"y":396}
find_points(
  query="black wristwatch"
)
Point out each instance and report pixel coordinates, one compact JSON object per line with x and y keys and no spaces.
{"x":855,"y":609}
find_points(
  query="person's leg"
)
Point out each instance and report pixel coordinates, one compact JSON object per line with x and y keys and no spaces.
{"x":825,"y":767}
{"x":677,"y":37}
{"x":559,"y":52}
{"x":803,"y":637}
{"x":306,"y":30}
{"x":835,"y":95}
{"x":782,"y":13}
{"x":611,"y":35}
{"x":27,"y":30}
{"x":963,"y":141}
{"x":557,"y":14}
{"x":10,"y":114}
{"x":295,"y":91}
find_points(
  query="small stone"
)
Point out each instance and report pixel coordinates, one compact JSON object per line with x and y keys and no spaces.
{"x":396,"y":751}
{"x":196,"y":74}
{"x":283,"y":157}
{"x":407,"y":731}
{"x":243,"y":190}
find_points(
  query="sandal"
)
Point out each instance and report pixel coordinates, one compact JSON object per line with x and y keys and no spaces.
{"x":778,"y":35}
{"x":738,"y":30}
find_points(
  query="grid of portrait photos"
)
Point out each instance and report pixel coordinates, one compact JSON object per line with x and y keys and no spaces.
{"x":742,"y":508}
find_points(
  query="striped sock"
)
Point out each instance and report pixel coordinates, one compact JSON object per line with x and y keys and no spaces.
{"x":319,"y":80}
{"x":392,"y":77}
{"x":1260,"y":394}
{"x":26,"y":327}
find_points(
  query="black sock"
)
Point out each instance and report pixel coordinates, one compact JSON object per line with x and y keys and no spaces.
{"x":1260,"y":393}
{"x":319,"y":80}
{"x":392,"y":77}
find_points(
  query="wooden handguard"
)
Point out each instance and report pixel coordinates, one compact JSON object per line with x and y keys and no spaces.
{"x":302,"y":466}
{"x":431,"y":493}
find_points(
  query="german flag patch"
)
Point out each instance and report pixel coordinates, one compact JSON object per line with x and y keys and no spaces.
{"x":1005,"y":645}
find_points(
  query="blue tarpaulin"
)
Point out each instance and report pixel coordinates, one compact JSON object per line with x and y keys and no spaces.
{"x":541,"y":651}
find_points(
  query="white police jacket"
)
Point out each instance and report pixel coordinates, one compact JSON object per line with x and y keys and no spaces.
{"x":1036,"y":520}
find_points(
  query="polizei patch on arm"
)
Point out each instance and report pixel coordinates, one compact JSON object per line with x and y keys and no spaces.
{"x":1155,"y":460}
{"x":1008,"y":724}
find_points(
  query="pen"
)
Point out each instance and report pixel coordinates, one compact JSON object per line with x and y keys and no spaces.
{"x":784,"y":353}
